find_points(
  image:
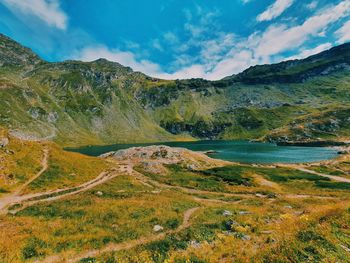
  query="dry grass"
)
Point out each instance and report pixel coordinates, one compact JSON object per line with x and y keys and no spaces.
{"x":274,"y":218}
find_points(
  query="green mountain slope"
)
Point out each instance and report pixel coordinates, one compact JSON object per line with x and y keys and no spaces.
{"x":76,"y":103}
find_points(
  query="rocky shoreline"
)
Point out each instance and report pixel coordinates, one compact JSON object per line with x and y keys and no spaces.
{"x":312,"y":143}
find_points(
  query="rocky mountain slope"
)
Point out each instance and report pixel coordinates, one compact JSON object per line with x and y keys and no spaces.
{"x":101,"y":102}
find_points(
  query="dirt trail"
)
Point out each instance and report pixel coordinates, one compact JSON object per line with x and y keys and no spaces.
{"x":264,"y":182}
{"x":52,"y":195}
{"x":146,"y":179}
{"x":45,"y":166}
{"x":332,"y":177}
{"x":125,"y":245}
{"x":61,"y":193}
{"x":14,"y":197}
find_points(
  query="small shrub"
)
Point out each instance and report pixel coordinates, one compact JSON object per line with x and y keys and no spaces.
{"x":30,"y":250}
{"x":172,"y":223}
{"x":88,"y":260}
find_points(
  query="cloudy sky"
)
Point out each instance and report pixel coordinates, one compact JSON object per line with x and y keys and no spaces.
{"x":177,"y":38}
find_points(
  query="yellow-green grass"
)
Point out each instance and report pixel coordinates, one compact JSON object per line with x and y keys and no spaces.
{"x":20,"y":161}
{"x":126,"y":210}
{"x":67,"y":169}
{"x":259,"y":225}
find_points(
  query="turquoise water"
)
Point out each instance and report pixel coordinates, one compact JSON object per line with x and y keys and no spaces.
{"x":237,"y":151}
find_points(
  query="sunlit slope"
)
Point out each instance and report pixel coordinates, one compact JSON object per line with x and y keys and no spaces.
{"x":77,"y":103}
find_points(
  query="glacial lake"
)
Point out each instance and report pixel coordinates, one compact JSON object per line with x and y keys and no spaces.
{"x":236,"y":151}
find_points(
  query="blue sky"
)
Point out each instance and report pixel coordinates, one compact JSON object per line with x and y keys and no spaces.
{"x":177,"y":38}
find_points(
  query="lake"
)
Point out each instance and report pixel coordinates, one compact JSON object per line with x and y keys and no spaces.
{"x":236,"y":151}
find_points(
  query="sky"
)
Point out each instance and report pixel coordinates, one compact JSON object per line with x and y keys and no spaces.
{"x":176,"y":39}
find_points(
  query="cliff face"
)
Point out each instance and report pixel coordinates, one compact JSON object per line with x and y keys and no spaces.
{"x":77,"y":103}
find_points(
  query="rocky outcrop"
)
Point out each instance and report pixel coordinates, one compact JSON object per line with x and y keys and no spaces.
{"x":153,"y":158}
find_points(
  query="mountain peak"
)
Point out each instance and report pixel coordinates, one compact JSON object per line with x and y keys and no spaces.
{"x":14,"y":54}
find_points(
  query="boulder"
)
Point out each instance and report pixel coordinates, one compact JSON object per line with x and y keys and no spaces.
{"x":158,"y":228}
{"x":229,"y":224}
{"x":227,"y":213}
{"x":195,"y":244}
{"x":4,"y":142}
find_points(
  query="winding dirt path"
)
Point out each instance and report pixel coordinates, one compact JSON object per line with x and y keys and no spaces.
{"x":127,"y":244}
{"x":332,"y":177}
{"x":45,"y":166}
{"x":52,"y":195}
{"x":15,"y":197}
{"x":146,"y":179}
{"x":29,"y":200}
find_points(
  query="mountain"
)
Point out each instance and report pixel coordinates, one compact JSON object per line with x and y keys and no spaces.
{"x":102,"y":102}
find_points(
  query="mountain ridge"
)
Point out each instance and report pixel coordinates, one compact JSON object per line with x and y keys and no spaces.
{"x":101,"y":102}
{"x":283,"y":64}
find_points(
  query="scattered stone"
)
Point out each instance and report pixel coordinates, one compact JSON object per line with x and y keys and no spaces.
{"x":288,"y":206}
{"x":227,"y":213}
{"x":195,"y":244}
{"x":246,"y":238}
{"x":298,"y":213}
{"x":99,"y":193}
{"x":158,"y":228}
{"x":231,"y":223}
{"x":156,"y":192}
{"x":192,"y":167}
{"x":260,"y":195}
{"x":244,"y":212}
{"x":4,"y":142}
{"x":9,"y":152}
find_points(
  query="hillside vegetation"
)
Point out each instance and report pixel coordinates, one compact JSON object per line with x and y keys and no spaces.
{"x":78,"y":103}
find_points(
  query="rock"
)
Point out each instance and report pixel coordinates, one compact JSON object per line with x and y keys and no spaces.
{"x":260,"y":195}
{"x":246,"y":238}
{"x":9,"y":152}
{"x":4,"y":142}
{"x":244,"y":212}
{"x":227,"y":213}
{"x":195,"y":244}
{"x":288,"y":206}
{"x":231,"y":223}
{"x":192,"y":167}
{"x":158,"y":228}
{"x":99,"y":193}
{"x":298,"y":213}
{"x":266,"y":232}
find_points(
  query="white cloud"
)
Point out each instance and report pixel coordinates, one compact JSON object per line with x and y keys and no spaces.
{"x":343,"y":33}
{"x":156,"y":45}
{"x":48,"y":11}
{"x":312,"y":5}
{"x":125,"y":58}
{"x":275,"y":10}
{"x":225,"y":54}
{"x":279,"y":38}
{"x":145,"y":66}
{"x":171,"y":38}
{"x":245,"y":1}
{"x":309,"y":52}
